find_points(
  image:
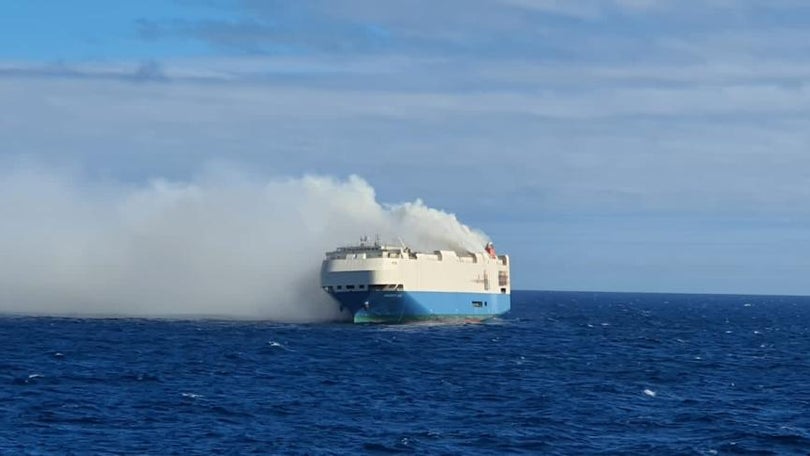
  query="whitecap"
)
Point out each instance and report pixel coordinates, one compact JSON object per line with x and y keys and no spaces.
{"x":36,"y":376}
{"x":649,"y":392}
{"x":274,"y":344}
{"x":190,"y":395}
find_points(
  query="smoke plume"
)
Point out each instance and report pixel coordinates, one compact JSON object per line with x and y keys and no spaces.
{"x":224,"y":245}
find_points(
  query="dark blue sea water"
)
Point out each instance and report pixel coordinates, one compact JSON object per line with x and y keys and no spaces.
{"x":564,"y":373}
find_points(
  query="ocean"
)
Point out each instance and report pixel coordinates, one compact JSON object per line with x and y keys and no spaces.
{"x":563,"y":373}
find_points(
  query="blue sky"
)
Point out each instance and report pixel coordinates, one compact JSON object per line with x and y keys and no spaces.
{"x":639,"y":145}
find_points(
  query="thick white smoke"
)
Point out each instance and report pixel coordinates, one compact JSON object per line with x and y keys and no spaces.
{"x":222,"y":246}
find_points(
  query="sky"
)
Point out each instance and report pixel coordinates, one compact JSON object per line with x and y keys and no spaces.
{"x":606,"y":145}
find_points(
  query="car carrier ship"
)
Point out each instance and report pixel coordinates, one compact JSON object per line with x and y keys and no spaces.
{"x":379,"y":283}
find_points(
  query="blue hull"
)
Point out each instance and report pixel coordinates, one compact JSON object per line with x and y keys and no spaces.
{"x":410,"y":306}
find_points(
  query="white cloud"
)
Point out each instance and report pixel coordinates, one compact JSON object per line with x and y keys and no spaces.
{"x":581,"y":9}
{"x":535,"y":129}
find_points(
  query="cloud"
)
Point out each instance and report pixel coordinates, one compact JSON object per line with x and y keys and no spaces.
{"x":697,"y":136}
{"x":624,"y":32}
{"x":147,"y":70}
{"x":580,"y":10}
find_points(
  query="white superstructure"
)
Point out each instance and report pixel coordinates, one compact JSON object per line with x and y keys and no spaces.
{"x":385,"y":267}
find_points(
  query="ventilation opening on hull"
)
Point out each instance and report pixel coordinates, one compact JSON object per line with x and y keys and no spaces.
{"x":386,"y":287}
{"x":503,"y":290}
{"x":479,"y":303}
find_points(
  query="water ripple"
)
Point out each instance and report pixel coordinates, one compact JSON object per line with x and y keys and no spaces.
{"x":564,"y":373}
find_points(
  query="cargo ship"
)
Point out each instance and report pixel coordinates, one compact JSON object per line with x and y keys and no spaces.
{"x":378,"y":283}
